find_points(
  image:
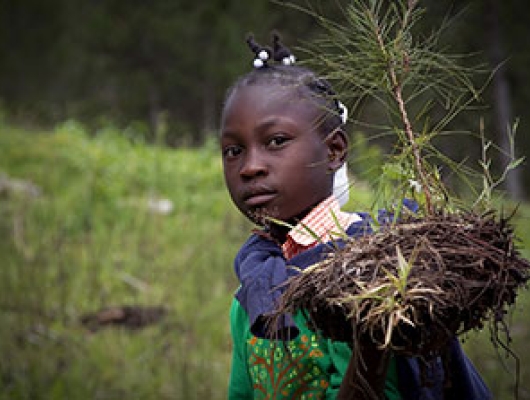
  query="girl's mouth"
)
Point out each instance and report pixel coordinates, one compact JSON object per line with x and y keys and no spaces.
{"x":259,"y":199}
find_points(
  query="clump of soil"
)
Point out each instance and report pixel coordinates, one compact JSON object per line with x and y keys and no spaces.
{"x":413,"y":285}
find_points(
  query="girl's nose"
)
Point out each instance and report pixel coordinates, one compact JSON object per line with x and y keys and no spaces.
{"x":253,"y":165}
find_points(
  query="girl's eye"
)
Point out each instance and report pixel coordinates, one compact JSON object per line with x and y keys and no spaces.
{"x":231,"y":151}
{"x":278,"y":141}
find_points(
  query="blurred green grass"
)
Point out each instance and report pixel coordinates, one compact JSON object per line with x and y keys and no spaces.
{"x":89,"y":240}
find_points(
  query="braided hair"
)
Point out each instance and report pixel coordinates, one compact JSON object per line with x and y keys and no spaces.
{"x":275,"y":66}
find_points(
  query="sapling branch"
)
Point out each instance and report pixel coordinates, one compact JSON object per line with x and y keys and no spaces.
{"x":396,"y":86}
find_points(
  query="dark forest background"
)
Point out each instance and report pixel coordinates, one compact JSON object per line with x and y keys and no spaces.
{"x":140,"y":65}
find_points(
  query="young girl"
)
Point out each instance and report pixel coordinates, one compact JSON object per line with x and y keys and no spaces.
{"x":282,"y":143}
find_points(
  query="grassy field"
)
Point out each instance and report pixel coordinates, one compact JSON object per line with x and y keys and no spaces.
{"x":88,"y":241}
{"x":80,"y":233}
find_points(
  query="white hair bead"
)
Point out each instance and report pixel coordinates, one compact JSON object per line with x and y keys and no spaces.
{"x":258,"y":63}
{"x":288,"y":60}
{"x":263,"y":55}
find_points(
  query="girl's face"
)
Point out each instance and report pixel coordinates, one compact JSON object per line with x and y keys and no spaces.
{"x":276,"y":163}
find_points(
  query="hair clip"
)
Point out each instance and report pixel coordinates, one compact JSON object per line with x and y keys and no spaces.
{"x":281,"y":53}
{"x":263,"y":54}
{"x":343,"y":112}
{"x":261,"y":59}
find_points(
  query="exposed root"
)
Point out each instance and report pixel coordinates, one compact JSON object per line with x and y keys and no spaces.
{"x":413,"y":285}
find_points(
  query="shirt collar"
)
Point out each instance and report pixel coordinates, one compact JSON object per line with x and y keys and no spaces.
{"x":325,"y":222}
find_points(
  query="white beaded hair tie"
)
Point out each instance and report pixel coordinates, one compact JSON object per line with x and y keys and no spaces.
{"x":343,"y":112}
{"x":289,"y":60}
{"x":261,"y":59}
{"x":280,"y":54}
{"x":263,"y":54}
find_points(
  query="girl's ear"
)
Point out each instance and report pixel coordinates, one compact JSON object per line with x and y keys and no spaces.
{"x":337,"y":144}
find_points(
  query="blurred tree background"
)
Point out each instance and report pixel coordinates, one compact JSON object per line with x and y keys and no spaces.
{"x":170,"y":61}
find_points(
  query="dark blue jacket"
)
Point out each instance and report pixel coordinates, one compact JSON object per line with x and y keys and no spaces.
{"x":262,"y":269}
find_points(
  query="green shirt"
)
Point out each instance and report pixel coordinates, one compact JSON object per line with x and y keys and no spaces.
{"x":308,"y":367}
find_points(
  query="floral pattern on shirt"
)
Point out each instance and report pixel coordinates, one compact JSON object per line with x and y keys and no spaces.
{"x":287,"y":370}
